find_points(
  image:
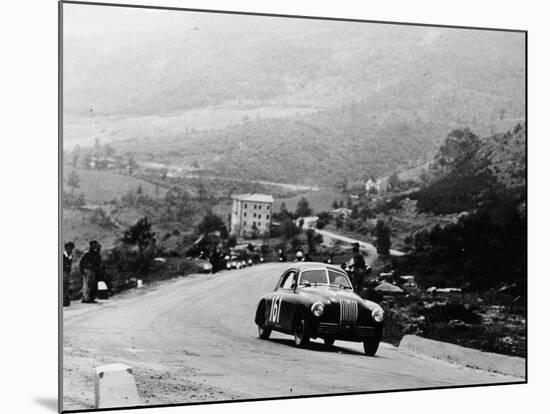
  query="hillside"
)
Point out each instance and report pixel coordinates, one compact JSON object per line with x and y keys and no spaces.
{"x":301,"y":101}
{"x":470,"y":173}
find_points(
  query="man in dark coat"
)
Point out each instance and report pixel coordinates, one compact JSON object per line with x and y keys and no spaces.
{"x":90,"y":265}
{"x":359,"y":269}
{"x":67,"y":266}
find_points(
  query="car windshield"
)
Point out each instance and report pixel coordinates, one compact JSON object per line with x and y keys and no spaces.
{"x":338,"y":279}
{"x":324,"y":277}
{"x":314,"y":277}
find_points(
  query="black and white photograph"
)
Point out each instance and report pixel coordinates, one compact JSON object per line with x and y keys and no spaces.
{"x":262,"y":206}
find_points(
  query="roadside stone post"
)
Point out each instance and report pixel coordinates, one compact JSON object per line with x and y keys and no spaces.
{"x":115,"y":387}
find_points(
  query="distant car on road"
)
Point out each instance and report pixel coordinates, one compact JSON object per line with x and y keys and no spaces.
{"x":316,"y":300}
{"x":197,"y":265}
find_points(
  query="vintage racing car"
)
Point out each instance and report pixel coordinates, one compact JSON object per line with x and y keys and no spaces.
{"x":316,"y":300}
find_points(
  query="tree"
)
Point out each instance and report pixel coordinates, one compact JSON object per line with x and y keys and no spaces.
{"x":76,"y":155}
{"x":303,"y":209}
{"x":73,"y":181}
{"x":108,"y":150}
{"x":296,"y":244}
{"x":87,"y":160}
{"x":212,"y":223}
{"x":97,"y":147}
{"x":232,"y":241}
{"x":289,"y":229}
{"x":313,"y":240}
{"x":335,"y":204}
{"x":139,"y":234}
{"x":132,"y":165}
{"x":254,"y":230}
{"x":383,"y":238}
{"x":394,"y":182}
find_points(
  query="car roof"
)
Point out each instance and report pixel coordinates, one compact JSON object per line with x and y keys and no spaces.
{"x":313,"y":265}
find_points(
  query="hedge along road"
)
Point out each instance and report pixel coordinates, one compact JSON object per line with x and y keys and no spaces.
{"x":194,"y":339}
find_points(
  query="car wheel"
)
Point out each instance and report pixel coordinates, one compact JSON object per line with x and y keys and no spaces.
{"x":263,"y":332}
{"x":371,"y":346}
{"x":328,"y":341}
{"x":301,"y":334}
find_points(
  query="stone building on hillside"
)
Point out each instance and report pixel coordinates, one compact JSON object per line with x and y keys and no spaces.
{"x":251,"y":215}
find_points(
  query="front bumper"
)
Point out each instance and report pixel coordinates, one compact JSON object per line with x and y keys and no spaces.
{"x":357,"y":333}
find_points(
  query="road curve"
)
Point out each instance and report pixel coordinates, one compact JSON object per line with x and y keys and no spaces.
{"x":194,"y":339}
{"x":330,"y":237}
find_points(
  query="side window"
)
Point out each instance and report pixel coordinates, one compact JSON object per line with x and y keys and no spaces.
{"x":286,"y":283}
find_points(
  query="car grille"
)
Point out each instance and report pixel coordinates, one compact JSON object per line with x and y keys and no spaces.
{"x":332,"y":330}
{"x":348,"y":314}
{"x":327,"y":328}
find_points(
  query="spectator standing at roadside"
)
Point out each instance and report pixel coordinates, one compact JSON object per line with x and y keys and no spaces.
{"x":359,"y":269}
{"x":67,"y":266}
{"x":90,"y":265}
{"x":299,"y":256}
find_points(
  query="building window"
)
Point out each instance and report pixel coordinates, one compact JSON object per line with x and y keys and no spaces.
{"x":255,"y":206}
{"x":244,"y":214}
{"x":244,"y":223}
{"x":259,"y":216}
{"x":260,"y":207}
{"x":267,"y":217}
{"x":267,"y":207}
{"x":245,"y":205}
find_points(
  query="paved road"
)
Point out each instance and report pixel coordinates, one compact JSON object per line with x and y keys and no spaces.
{"x":329,"y":237}
{"x":194,"y":339}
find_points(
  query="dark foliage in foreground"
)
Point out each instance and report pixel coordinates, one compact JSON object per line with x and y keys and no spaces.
{"x":485,"y":250}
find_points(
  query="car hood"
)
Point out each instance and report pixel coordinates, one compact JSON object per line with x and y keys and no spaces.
{"x":330,"y":294}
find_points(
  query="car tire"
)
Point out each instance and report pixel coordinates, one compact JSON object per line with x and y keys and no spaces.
{"x":371,"y":346}
{"x":263,"y":332}
{"x":329,"y":341}
{"x":301,"y":334}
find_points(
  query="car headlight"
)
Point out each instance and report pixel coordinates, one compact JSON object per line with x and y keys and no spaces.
{"x":378,"y":315}
{"x":317,"y":309}
{"x":206,"y":266}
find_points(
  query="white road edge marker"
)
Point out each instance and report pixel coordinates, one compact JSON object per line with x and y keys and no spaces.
{"x":115,"y":387}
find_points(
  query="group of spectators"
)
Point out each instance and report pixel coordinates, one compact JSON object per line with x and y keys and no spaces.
{"x":89,"y":266}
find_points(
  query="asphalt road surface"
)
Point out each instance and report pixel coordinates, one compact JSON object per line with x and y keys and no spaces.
{"x":194,"y":339}
{"x":330,"y":237}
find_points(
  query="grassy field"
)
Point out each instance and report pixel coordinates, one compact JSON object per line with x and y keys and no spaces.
{"x":78,"y":228}
{"x":103,"y":186}
{"x":318,"y":200}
